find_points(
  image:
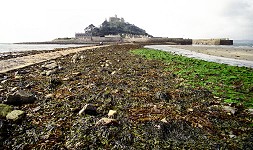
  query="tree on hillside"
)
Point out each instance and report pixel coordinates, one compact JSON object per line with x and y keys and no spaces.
{"x":114,"y":28}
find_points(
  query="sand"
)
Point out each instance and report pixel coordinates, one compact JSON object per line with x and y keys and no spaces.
{"x":240,"y":53}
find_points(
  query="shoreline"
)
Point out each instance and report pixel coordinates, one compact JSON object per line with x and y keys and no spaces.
{"x":28,"y":60}
{"x":245,"y":53}
{"x":192,"y":52}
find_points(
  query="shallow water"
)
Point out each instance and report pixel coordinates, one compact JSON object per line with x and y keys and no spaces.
{"x":210,"y":58}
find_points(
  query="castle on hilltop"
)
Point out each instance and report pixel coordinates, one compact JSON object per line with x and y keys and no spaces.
{"x":116,"y":19}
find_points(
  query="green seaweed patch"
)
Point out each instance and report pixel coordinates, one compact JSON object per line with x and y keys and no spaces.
{"x":230,"y":83}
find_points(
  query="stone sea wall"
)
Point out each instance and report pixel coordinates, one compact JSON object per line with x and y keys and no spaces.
{"x":212,"y":42}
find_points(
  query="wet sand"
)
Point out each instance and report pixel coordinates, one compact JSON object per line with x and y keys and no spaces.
{"x":240,"y":53}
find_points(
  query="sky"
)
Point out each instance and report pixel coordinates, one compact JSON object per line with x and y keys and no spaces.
{"x":45,"y":20}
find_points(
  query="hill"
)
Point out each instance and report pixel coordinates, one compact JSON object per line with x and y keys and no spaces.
{"x":115,"y":26}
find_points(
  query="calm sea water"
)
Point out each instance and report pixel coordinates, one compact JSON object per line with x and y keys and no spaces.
{"x":7,"y":47}
{"x":247,"y":43}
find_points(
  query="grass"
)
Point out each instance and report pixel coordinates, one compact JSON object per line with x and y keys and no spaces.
{"x":232,"y":84}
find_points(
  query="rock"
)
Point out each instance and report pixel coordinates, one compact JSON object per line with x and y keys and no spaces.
{"x":229,"y":109}
{"x":14,"y":89}
{"x":112,"y":113}
{"x":2,"y":82}
{"x":76,"y":73}
{"x":75,"y":58}
{"x":88,"y":109}
{"x":49,"y":96}
{"x":164,"y":120}
{"x":106,"y":121}
{"x":36,"y":109}
{"x":4,"y":110}
{"x":50,"y":72}
{"x":155,"y":109}
{"x":54,"y":82}
{"x":250,"y":110}
{"x":162,"y":96}
{"x":20,"y":97}
{"x":18,"y":77}
{"x":113,"y":72}
{"x":51,"y":65}
{"x":15,"y":115}
{"x":21,"y":72}
{"x":189,"y":110}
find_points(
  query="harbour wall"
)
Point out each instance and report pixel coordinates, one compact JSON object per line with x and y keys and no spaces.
{"x":212,"y":42}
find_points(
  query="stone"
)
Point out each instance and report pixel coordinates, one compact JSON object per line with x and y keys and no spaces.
{"x":51,"y":65}
{"x":162,"y":96}
{"x":18,"y":77}
{"x":88,"y":109}
{"x":75,"y":58}
{"x":14,"y":89}
{"x":15,"y":115}
{"x":164,"y":120}
{"x":49,"y":96}
{"x":112,"y":113}
{"x":4,"y":110}
{"x":229,"y":109}
{"x":50,"y":72}
{"x":113,"y":72}
{"x":250,"y":110}
{"x":76,"y":73}
{"x":2,"y":82}
{"x":190,"y":110}
{"x":106,"y":121}
{"x":36,"y":109}
{"x":20,"y":97}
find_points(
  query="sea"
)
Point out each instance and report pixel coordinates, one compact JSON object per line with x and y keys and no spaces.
{"x":10,"y":47}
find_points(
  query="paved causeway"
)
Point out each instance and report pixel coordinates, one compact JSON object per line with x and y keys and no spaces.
{"x":20,"y":62}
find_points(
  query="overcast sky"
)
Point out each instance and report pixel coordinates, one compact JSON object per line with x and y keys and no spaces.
{"x":43,"y":20}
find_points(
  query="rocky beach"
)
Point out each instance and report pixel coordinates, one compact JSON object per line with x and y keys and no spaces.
{"x":106,"y":97}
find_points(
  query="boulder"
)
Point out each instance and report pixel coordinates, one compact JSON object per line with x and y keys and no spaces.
{"x":88,"y":109}
{"x":15,"y":115}
{"x":106,"y":121}
{"x":20,"y":97}
{"x":4,"y":110}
